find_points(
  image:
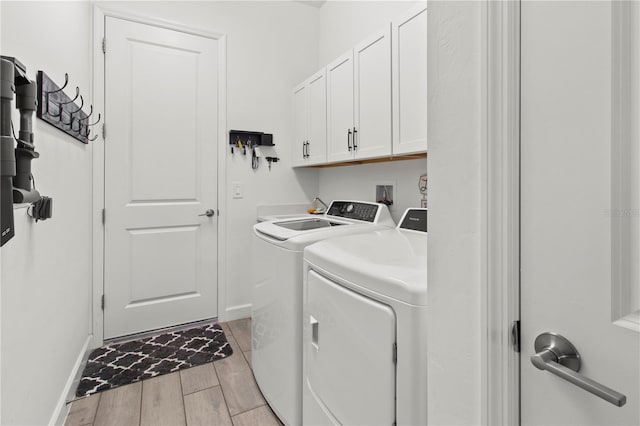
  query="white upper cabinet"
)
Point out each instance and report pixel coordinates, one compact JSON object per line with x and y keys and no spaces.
{"x":340,"y":108}
{"x":310,"y":121}
{"x":372,"y":94}
{"x":371,"y":102}
{"x":409,"y":60}
{"x":359,"y":101}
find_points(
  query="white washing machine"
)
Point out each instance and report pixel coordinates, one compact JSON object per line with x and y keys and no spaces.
{"x":276,"y":311}
{"x":364,"y":327}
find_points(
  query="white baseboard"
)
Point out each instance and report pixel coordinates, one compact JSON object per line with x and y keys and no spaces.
{"x":62,"y":408}
{"x":237,"y":312}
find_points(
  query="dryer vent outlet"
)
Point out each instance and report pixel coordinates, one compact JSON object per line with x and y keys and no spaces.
{"x":385,"y":193}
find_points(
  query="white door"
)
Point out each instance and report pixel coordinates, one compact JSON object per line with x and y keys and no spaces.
{"x":160,"y":177}
{"x":566,"y":239}
{"x":340,"y":109}
{"x":372,"y":94}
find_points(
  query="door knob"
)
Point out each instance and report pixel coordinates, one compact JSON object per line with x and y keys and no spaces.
{"x":557,"y":355}
{"x":208,"y":213}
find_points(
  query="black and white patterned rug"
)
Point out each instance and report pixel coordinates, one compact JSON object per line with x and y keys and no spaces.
{"x":123,"y":363}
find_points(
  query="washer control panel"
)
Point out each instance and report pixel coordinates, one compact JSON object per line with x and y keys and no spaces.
{"x":354,"y":210}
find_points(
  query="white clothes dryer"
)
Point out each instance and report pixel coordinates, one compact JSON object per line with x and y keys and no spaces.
{"x":364,"y":329}
{"x":276,"y":310}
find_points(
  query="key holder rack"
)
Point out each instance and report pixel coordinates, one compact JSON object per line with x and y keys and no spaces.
{"x":243,"y":139}
{"x":64,"y":112}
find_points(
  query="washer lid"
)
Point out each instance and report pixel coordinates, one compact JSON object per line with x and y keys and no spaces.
{"x":389,"y":262}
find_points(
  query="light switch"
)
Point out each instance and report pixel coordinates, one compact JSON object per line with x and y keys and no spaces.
{"x":237,"y":189}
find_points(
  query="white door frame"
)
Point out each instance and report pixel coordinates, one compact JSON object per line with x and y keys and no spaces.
{"x":99,"y":15}
{"x":501,"y":215}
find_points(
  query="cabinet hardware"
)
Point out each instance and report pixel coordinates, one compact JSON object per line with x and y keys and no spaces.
{"x":349,"y":139}
{"x":355,"y":145}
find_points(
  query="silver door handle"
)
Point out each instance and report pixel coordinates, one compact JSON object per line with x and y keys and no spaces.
{"x":208,"y":213}
{"x":558,"y":356}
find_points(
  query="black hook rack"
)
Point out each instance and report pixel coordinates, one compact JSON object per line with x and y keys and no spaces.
{"x":61,"y":111}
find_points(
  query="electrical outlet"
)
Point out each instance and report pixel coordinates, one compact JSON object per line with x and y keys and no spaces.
{"x":237,"y":190}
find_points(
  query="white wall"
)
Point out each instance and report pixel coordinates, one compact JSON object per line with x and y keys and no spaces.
{"x":343,"y":24}
{"x":46,"y":267}
{"x":271,"y":46}
{"x":455,"y":130}
{"x":358,"y":182}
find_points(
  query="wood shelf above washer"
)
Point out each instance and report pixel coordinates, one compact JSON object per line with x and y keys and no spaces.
{"x":372,"y":160}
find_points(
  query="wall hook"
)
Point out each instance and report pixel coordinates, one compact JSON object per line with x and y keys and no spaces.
{"x":79,"y":108}
{"x":71,"y":113}
{"x":88,"y":115}
{"x":72,"y":100}
{"x":66,"y":81}
{"x":96,"y":122}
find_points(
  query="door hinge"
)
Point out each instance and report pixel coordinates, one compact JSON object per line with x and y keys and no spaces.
{"x":103,"y":215}
{"x":104,"y":45}
{"x":395,"y":353}
{"x":515,"y":335}
{"x":102,"y":302}
{"x":104,"y":131}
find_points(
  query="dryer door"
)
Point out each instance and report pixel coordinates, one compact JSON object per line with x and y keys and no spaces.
{"x":350,"y":369}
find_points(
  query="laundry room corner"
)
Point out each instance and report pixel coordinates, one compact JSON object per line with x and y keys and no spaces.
{"x":342,"y":25}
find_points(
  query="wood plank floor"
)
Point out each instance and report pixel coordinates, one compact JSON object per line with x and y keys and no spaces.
{"x":223,"y":392}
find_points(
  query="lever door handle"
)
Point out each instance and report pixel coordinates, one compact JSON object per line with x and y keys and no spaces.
{"x":558,"y":356}
{"x":208,"y":213}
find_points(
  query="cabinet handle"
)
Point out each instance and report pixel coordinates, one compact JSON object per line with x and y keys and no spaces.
{"x":355,"y":145}
{"x":304,"y":149}
{"x":349,"y":139}
{"x":308,"y":144}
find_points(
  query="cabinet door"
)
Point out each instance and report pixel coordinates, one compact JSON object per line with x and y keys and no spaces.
{"x":340,"y":108}
{"x":300,"y":120}
{"x":410,"y":82}
{"x":372,"y":62}
{"x":317,"y":118}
